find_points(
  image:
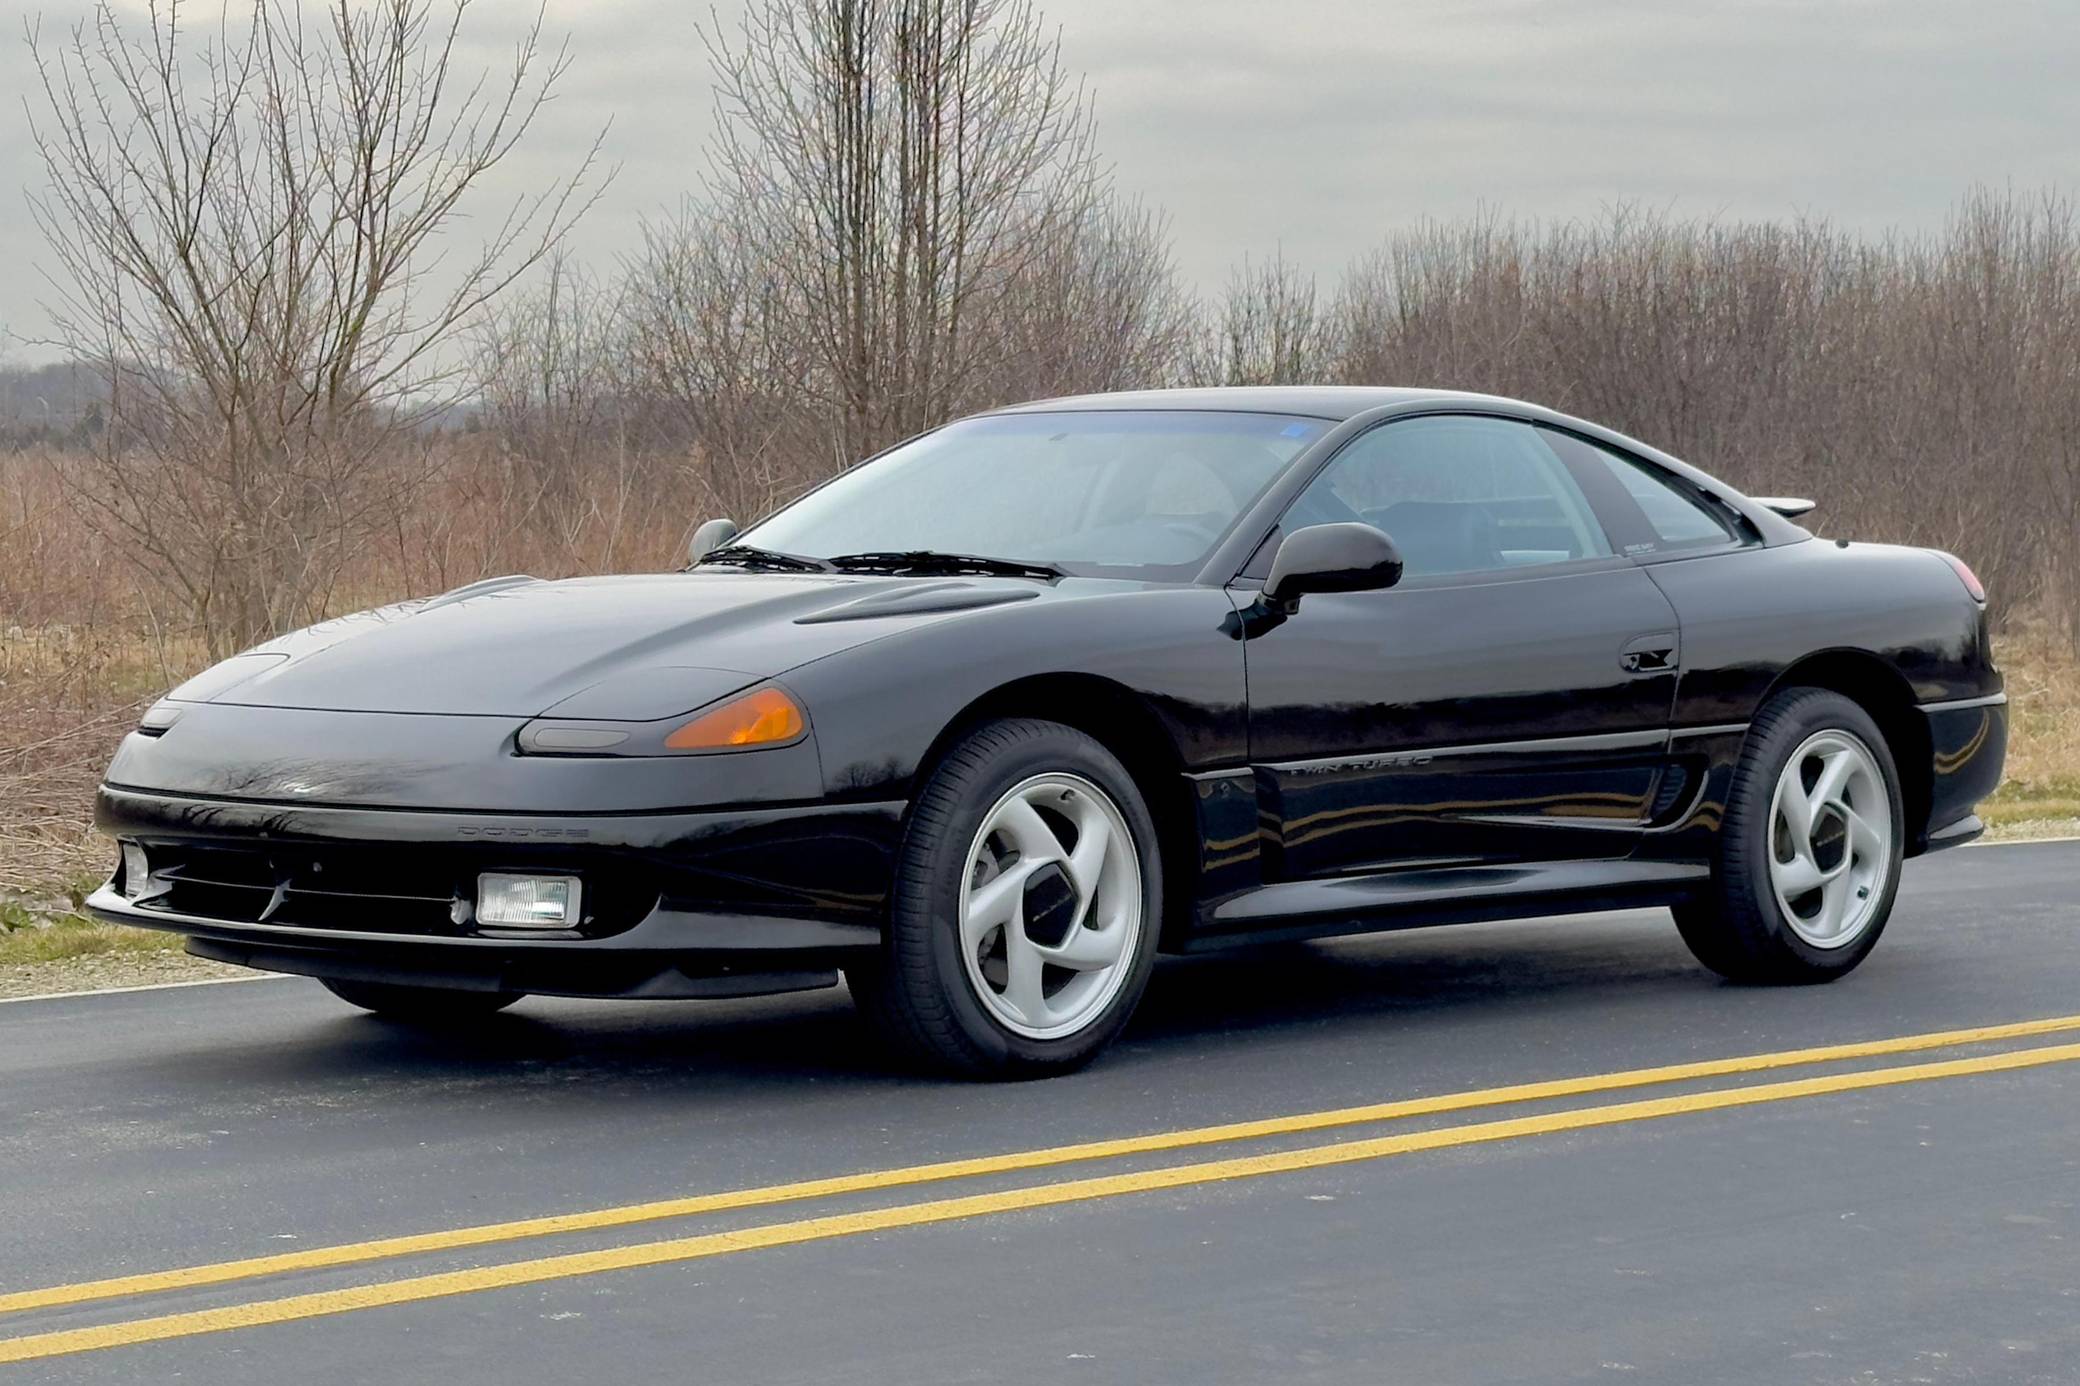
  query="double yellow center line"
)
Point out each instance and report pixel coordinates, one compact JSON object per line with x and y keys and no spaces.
{"x":695,"y":1247}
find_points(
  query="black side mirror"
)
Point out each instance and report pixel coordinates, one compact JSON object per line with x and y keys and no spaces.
{"x":712,"y":535}
{"x":1331,"y":558}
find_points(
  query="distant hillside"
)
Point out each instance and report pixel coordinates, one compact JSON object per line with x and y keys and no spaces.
{"x":58,"y":402}
{"x":63,"y":403}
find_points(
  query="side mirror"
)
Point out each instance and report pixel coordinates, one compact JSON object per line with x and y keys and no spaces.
{"x":712,"y":535}
{"x":1331,"y":558}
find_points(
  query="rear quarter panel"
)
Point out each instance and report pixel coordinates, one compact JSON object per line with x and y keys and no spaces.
{"x":1748,"y":616}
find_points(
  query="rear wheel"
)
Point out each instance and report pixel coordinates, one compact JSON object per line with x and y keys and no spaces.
{"x":1023,"y":928}
{"x":419,"y":1005}
{"x":1810,"y":849}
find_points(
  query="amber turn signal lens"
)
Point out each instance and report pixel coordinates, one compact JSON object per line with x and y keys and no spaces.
{"x":756,"y":719}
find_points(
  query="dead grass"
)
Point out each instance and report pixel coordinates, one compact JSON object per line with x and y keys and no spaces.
{"x":122,"y":967}
{"x":68,"y":693}
{"x":72,"y":936}
{"x":47,"y":947}
{"x":2043,"y":775}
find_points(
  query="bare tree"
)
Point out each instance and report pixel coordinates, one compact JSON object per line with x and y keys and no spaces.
{"x":1266,"y":329}
{"x":554,"y":395}
{"x":1445,"y":304}
{"x":1100,"y":308}
{"x":548,"y":373}
{"x":1924,"y":390}
{"x":900,"y":164}
{"x":245,"y":232}
{"x":723,"y":370}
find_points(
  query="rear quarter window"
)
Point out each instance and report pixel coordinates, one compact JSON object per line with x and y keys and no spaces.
{"x":1669,"y":518}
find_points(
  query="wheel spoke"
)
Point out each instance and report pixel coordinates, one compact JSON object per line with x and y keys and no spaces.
{"x":1835,"y":899}
{"x":1835,"y":770}
{"x":992,"y":903}
{"x":1028,"y":831}
{"x":1797,"y":810}
{"x":1800,"y":874}
{"x":1864,"y":836}
{"x":1086,"y":864}
{"x":1023,"y":966}
{"x":1086,"y":949}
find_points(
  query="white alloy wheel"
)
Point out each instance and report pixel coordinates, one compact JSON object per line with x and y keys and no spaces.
{"x":1830,"y":839}
{"x":1051,"y":906}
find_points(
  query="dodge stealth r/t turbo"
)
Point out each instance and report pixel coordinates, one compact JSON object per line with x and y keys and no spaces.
{"x":992,"y":719}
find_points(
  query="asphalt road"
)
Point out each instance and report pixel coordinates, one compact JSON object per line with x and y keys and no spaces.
{"x":1900,"y":1212}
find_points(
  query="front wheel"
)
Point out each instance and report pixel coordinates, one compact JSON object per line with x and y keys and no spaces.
{"x":1023,"y":928}
{"x":419,"y":1005}
{"x":1810,"y":848}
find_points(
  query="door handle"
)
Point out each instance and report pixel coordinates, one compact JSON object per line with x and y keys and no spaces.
{"x":1650,"y":654}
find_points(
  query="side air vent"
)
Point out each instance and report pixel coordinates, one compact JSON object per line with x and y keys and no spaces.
{"x":1672,"y":793}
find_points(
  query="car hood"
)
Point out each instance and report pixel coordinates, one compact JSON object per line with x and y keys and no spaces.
{"x":634,"y":648}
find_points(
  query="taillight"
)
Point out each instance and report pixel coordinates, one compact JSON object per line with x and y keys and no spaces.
{"x":1965,"y":575}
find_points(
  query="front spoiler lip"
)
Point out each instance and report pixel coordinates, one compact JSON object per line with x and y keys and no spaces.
{"x":669,"y":955}
{"x":651,"y":981}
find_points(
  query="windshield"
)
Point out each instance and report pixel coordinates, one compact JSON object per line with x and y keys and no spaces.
{"x":1144,"y":493}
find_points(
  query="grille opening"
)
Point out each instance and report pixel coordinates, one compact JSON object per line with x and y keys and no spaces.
{"x":243,"y":903}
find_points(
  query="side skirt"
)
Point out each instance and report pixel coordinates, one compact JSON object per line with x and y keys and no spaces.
{"x":1416,"y":899}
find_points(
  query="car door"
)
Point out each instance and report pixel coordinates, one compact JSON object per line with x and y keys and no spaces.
{"x":1508,"y":700}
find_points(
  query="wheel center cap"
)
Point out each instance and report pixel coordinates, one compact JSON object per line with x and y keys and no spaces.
{"x":1050,"y":905}
{"x":1830,"y":840}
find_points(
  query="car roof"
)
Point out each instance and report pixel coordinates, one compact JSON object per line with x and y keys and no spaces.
{"x":1336,"y":402}
{"x":1340,"y":403}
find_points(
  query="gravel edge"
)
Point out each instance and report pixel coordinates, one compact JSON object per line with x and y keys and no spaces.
{"x":100,"y":971}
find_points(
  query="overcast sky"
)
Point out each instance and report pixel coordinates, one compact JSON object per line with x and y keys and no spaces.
{"x":1317,"y":125}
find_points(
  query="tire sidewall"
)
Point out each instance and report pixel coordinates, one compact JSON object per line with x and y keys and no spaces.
{"x":930,"y":887}
{"x":1813,"y":712}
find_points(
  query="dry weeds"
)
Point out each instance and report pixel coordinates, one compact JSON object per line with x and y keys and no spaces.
{"x":2043,"y":778}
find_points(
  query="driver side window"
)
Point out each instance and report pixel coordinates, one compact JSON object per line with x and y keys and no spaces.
{"x":1458,"y":495}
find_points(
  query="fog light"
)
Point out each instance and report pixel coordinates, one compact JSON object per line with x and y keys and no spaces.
{"x":137,"y":872}
{"x":527,"y":902}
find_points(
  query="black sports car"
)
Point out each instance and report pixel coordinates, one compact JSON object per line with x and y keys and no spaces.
{"x":990,"y":720}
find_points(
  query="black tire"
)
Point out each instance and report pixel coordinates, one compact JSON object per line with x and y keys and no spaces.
{"x":916,"y":991}
{"x":1738,"y":929}
{"x":420,"y":1005}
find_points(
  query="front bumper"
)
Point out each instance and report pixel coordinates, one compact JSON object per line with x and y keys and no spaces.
{"x":716,"y":902}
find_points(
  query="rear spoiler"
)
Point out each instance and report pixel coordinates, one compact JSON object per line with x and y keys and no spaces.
{"x":1790,"y":507}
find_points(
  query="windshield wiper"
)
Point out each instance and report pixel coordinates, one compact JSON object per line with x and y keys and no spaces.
{"x":752,"y":556}
{"x":932,"y":562}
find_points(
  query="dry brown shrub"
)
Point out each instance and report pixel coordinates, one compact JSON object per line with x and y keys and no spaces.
{"x":2043,"y":677}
